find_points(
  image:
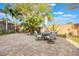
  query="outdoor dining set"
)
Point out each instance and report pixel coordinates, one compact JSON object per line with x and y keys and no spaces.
{"x":49,"y":36}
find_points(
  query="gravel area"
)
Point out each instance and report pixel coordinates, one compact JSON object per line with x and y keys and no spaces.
{"x":21,"y":44}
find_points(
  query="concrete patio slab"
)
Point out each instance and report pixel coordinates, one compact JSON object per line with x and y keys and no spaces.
{"x":20,"y":44}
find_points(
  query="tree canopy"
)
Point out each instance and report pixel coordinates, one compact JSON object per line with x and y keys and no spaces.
{"x":30,"y":14}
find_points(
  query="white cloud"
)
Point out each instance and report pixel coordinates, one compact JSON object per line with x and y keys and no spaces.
{"x":2,"y":14}
{"x":60,"y":13}
{"x":61,"y":18}
{"x":52,"y":4}
{"x":69,"y":15}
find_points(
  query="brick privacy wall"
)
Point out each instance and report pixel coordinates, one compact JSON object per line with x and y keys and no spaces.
{"x":66,"y":28}
{"x":76,"y":26}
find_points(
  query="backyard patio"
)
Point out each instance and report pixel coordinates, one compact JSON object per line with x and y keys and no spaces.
{"x":25,"y":45}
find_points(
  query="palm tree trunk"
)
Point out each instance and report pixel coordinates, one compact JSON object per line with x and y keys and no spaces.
{"x":6,"y":24}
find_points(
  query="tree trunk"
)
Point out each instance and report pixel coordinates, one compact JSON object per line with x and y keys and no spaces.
{"x":15,"y":27}
{"x":6,"y":24}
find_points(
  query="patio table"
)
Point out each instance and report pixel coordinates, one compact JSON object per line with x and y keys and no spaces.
{"x":46,"y":33}
{"x":50,"y":36}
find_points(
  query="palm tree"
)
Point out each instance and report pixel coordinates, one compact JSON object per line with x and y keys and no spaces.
{"x":12,"y":12}
{"x":6,"y":11}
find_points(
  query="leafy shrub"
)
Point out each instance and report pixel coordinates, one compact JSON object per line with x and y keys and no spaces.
{"x":70,"y":34}
{"x":1,"y":29}
{"x":11,"y":31}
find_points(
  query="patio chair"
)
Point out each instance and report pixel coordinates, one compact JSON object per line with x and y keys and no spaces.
{"x":38,"y":35}
{"x":54,"y":35}
{"x":51,"y":37}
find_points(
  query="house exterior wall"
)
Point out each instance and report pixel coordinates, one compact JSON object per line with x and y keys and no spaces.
{"x":3,"y":26}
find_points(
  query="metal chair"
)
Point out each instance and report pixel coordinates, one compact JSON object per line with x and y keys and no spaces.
{"x":52,"y":37}
{"x":38,"y":35}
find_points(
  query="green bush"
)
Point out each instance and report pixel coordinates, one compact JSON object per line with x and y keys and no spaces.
{"x":1,"y":32}
{"x":1,"y":29}
{"x":70,"y":34}
{"x":11,"y":31}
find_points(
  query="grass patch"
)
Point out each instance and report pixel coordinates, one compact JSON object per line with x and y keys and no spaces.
{"x":5,"y":33}
{"x":10,"y":31}
{"x":75,"y":38}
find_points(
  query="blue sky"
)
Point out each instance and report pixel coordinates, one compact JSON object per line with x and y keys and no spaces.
{"x":2,"y":5}
{"x":60,"y":13}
